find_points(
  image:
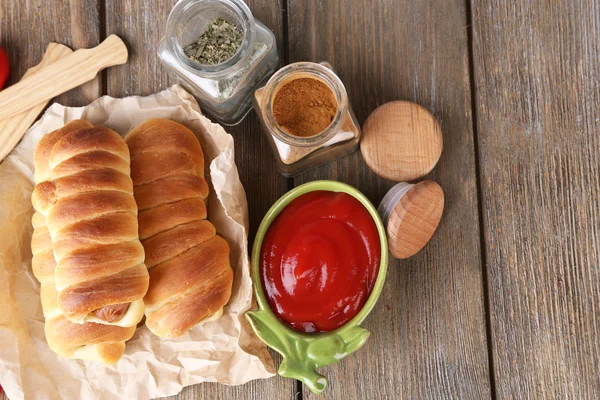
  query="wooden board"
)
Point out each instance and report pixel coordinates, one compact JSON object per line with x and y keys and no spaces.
{"x":538,"y":123}
{"x":26,"y":28}
{"x":141,"y":24}
{"x":428,"y":330}
{"x":69,"y":72}
{"x":537,"y":98}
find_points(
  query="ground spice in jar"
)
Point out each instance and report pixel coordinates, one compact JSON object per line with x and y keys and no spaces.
{"x":304,"y":107}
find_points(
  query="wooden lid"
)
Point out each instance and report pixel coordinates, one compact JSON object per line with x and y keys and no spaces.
{"x":415,"y":218}
{"x":401,"y":141}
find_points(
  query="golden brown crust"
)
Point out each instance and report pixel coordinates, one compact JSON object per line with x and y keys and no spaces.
{"x":86,"y":140}
{"x":148,"y":167}
{"x":108,"y":229}
{"x":91,"y":215}
{"x":93,"y":180}
{"x":111,"y":352}
{"x":161,"y":218}
{"x":65,"y":337}
{"x":190,"y":275}
{"x":72,"y":209}
{"x":43,"y":196}
{"x":170,"y":190}
{"x":89,"y":340}
{"x":41,"y":156}
{"x":97,"y":262}
{"x":168,"y":244}
{"x":105,"y":342}
{"x":69,"y":335}
{"x":163,"y":135}
{"x":197,"y":266}
{"x":47,"y":193}
{"x":177,"y":317}
{"x":90,"y":161}
{"x":86,"y":297}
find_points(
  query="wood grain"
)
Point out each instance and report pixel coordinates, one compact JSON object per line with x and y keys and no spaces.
{"x":141,"y":24}
{"x":428,"y":329}
{"x":401,"y":141}
{"x":13,"y":129}
{"x":73,"y":70}
{"x":537,"y":103}
{"x":26,"y":28}
{"x":414,"y":219}
{"x":538,"y":123}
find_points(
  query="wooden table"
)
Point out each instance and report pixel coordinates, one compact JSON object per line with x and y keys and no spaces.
{"x":504,"y":301}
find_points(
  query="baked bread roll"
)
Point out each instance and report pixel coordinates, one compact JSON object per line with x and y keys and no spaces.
{"x":87,"y":341}
{"x":190,"y":275}
{"x":86,"y":196}
{"x":90,"y":340}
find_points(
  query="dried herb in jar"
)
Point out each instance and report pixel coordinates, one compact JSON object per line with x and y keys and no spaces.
{"x":217,"y":44}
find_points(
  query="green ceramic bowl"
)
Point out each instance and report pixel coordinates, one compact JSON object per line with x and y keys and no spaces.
{"x":303,"y":353}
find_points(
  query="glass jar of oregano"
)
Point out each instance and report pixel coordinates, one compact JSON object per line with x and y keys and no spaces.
{"x":220,"y":54}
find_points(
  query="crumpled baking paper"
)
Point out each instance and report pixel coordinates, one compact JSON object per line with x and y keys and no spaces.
{"x":223,"y":351}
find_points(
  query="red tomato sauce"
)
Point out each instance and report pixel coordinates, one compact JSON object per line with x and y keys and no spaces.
{"x":319,"y":261}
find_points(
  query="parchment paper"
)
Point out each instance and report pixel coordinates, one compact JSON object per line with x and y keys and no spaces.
{"x":223,"y":351}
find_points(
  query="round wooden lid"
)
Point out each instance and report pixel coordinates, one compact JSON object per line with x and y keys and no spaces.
{"x":415,"y":218}
{"x":401,"y":141}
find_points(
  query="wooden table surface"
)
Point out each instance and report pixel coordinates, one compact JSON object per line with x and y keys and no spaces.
{"x":504,"y":301}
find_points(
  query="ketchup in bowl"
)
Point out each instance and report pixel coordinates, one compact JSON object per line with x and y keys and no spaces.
{"x":319,"y":261}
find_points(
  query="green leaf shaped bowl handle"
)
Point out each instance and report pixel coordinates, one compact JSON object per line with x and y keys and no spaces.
{"x":302,"y":352}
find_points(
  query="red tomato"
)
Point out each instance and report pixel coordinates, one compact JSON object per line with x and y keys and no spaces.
{"x":3,"y":67}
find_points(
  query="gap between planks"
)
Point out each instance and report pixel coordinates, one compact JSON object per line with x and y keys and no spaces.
{"x":103,"y":35}
{"x":484,"y":255}
{"x":289,"y":182}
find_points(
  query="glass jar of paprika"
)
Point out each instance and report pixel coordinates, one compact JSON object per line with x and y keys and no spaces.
{"x":306,"y":117}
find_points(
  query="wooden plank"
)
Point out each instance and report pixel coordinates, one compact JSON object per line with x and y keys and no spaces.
{"x":141,"y":24}
{"x":428,"y":330}
{"x":26,"y":28}
{"x":538,"y":124}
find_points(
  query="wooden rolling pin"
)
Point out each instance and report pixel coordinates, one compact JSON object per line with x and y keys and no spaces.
{"x":12,"y":129}
{"x":67,"y":73}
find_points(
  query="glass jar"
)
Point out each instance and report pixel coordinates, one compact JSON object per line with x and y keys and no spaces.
{"x":224,"y":90}
{"x":295,"y":154}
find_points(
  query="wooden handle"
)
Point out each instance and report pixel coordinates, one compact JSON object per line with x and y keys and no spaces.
{"x":77,"y":68}
{"x":12,"y":129}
